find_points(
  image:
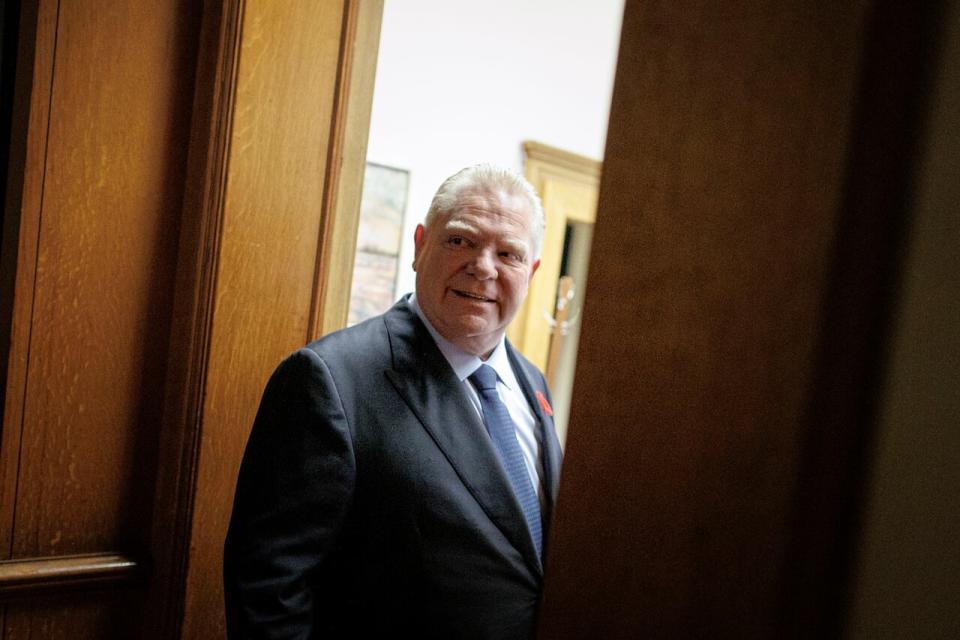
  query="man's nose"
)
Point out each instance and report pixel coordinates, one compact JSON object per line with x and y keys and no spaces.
{"x":483,"y":265}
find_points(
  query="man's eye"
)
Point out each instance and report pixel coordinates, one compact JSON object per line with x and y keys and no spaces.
{"x":455,"y":241}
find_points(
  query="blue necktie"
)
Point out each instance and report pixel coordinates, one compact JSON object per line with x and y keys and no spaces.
{"x":504,"y":435}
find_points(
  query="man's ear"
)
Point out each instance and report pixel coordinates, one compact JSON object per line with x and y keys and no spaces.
{"x":536,"y":265}
{"x":417,"y":244}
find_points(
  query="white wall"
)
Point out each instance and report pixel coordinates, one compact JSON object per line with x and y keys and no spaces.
{"x":465,"y":82}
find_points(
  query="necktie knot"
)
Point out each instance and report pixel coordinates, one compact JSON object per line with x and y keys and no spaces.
{"x":484,"y":378}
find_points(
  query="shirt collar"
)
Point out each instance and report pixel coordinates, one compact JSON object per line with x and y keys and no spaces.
{"x":464,"y":363}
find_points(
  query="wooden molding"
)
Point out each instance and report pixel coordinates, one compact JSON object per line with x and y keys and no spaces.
{"x":345,"y":166}
{"x":560,"y":159}
{"x":560,"y":178}
{"x":37,"y":44}
{"x":287,"y":160}
{"x":202,"y":221}
{"x":32,"y":577}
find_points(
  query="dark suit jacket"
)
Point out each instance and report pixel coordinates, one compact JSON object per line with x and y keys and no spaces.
{"x":371,"y":501}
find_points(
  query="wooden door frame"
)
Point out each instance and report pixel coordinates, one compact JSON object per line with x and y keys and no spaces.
{"x":201,"y":238}
{"x":543,"y":164}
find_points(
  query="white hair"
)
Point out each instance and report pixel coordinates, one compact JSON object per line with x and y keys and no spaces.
{"x":488,"y":179}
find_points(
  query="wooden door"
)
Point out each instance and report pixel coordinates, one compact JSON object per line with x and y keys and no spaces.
{"x":184,"y":191}
{"x":758,"y":175}
{"x":94,"y":250}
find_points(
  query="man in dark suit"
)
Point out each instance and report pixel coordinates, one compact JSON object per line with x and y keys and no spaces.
{"x":401,"y":474}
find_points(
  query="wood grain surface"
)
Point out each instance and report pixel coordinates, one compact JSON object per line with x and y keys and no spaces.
{"x":106,"y":251}
{"x":98,"y":226}
{"x":347,"y":161}
{"x":189,"y":195}
{"x":38,"y":34}
{"x":269,"y":243}
{"x":723,"y":181}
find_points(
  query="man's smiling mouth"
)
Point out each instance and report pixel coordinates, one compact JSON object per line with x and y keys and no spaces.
{"x":472,"y":296}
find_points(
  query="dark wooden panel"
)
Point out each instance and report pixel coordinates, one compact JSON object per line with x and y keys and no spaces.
{"x":106,"y":252}
{"x":277,"y":130}
{"x":38,"y":34}
{"x":96,"y":249}
{"x":884,"y":159}
{"x":201,"y":223}
{"x":723,"y":181}
{"x":908,"y":573}
{"x":97,"y":615}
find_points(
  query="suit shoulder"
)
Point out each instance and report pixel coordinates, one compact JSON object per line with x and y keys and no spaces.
{"x":362,"y":344}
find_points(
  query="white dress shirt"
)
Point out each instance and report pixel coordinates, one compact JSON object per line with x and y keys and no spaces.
{"x":511,"y":394}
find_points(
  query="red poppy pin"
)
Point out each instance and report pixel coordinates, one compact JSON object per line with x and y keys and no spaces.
{"x":547,"y":409}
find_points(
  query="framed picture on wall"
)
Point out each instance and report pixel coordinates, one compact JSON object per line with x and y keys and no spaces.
{"x":382,"y":207}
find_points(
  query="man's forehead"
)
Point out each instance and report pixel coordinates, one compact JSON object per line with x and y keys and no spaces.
{"x":470,"y":221}
{"x":505,"y":209}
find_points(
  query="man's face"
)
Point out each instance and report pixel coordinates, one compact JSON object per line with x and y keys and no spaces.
{"x":473,"y":269}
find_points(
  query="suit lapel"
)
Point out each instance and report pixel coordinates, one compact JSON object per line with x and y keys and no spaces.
{"x":430,"y":388}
